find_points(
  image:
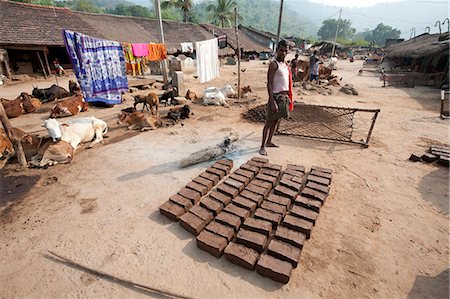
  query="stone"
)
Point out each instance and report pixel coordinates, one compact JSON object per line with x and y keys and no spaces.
{"x":281,"y":200}
{"x":251,"y":239}
{"x":171,"y":210}
{"x":260,"y":160}
{"x":321,"y":169}
{"x":220,"y":173}
{"x":212,"y":177}
{"x":429,"y":158}
{"x":258,"y":190}
{"x":252,"y":196}
{"x":246,"y":173}
{"x":286,"y":192}
{"x":240,"y":178}
{"x":322,"y":174}
{"x":271,"y":172}
{"x":192,"y":223}
{"x":290,"y":236}
{"x":311,"y":193}
{"x":284,"y":251}
{"x":262,"y":184}
{"x":221,"y":230}
{"x":202,"y":212}
{"x":415,"y":157}
{"x":205,"y":182}
{"x":197,"y":187}
{"x":318,"y":187}
{"x":296,"y":167}
{"x":220,"y":197}
{"x":212,"y":205}
{"x":274,"y":207}
{"x":297,"y":224}
{"x":242,"y":256}
{"x":226,"y":162}
{"x":251,"y":168}
{"x":230,"y":220}
{"x":181,"y":201}
{"x":308,"y":203}
{"x":304,"y":213}
{"x":245,"y":203}
{"x":318,"y":180}
{"x":190,"y":194}
{"x":235,"y":184}
{"x":211,"y":243}
{"x":238,"y":211}
{"x":267,"y":215}
{"x":222,"y":167}
{"x":267,"y":178}
{"x":290,"y":184}
{"x":273,"y":268}
{"x":228,"y":190}
{"x":257,"y":225}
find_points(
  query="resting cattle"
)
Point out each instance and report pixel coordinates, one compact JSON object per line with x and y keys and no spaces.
{"x":69,"y":106}
{"x":76,"y":131}
{"x":6,"y":147}
{"x":324,"y":72}
{"x":30,"y":104}
{"x":13,"y":108}
{"x":50,"y":94}
{"x":139,"y":121}
{"x":216,"y":96}
{"x":74,"y":89}
{"x":51,"y":153}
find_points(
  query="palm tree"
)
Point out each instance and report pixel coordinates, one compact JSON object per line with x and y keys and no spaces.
{"x":222,"y":13}
{"x":184,"y":5}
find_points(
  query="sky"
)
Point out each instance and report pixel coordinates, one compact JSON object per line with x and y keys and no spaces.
{"x":353,"y":3}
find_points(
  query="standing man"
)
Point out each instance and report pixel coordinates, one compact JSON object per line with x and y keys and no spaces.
{"x":294,"y":67}
{"x":314,"y":64}
{"x":279,"y":88}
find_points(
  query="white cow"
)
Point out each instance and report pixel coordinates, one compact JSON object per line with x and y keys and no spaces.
{"x":216,"y":96}
{"x":76,"y":131}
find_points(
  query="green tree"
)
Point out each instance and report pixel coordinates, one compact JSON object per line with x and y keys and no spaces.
{"x":381,"y":33}
{"x":40,"y":2}
{"x":222,"y":13}
{"x":328,"y":29}
{"x":184,"y":5}
{"x":86,"y":6}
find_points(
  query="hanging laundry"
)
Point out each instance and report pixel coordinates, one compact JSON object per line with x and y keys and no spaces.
{"x":187,"y":47}
{"x":157,"y":52}
{"x":207,"y":59}
{"x":222,"y":41}
{"x":130,"y":60}
{"x":139,"y":50}
{"x":99,"y":66}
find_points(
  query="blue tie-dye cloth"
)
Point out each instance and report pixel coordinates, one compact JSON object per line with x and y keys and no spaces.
{"x":99,"y":66}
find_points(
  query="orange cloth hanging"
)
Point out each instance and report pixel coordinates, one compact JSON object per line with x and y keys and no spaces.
{"x":157,"y":52}
{"x":291,"y":98}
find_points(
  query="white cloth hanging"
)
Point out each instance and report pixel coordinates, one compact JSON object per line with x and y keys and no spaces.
{"x":187,"y":47}
{"x":207,"y":59}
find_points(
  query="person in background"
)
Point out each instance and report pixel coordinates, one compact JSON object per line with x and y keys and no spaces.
{"x":294,"y":67}
{"x":58,"y":68}
{"x":314,"y":64}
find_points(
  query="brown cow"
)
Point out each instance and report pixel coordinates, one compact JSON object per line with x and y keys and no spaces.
{"x":30,"y":104}
{"x":151,"y":100}
{"x":13,"y":108}
{"x":6,"y":147}
{"x":74,"y":89}
{"x":324,"y":72}
{"x":139,"y":121}
{"x":52,"y":153}
{"x":69,"y":106}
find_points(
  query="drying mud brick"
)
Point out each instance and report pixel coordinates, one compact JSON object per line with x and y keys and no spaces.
{"x":228,"y":190}
{"x":220,"y":173}
{"x":262,"y":184}
{"x":230,"y":220}
{"x":246,"y":173}
{"x":255,"y":163}
{"x":181,"y":201}
{"x":212,"y":205}
{"x":291,"y":184}
{"x":267,"y":178}
{"x":205,"y":182}
{"x":212,"y":177}
{"x":273,"y":268}
{"x":192,"y":223}
{"x":197,"y":187}
{"x":429,"y":158}
{"x":273,"y":166}
{"x":252,"y":168}
{"x":290,"y":236}
{"x":221,"y":230}
{"x":235,"y":184}
{"x":308,"y":203}
{"x":286,"y":192}
{"x":444,"y":161}
{"x":211,"y":243}
{"x":311,"y":193}
{"x":318,"y":180}
{"x":228,"y":163}
{"x":257,"y":225}
{"x":251,"y":239}
{"x":252,"y":196}
{"x":284,"y":251}
{"x":290,"y":177}
{"x":192,"y":195}
{"x":294,"y":173}
{"x":241,"y":255}
{"x":245,"y":203}
{"x":235,"y":210}
{"x":221,"y":197}
{"x":321,"y":169}
{"x":240,"y":178}
{"x":258,"y":190}
{"x":222,"y":167}
{"x":322,"y":174}
{"x":297,"y":179}
{"x":171,"y":210}
{"x":281,"y":200}
{"x":271,"y":172}
{"x":274,"y":207}
{"x":304,"y":213}
{"x":297,"y":224}
{"x":296,"y":167}
{"x":260,"y":160}
{"x":415,"y":157}
{"x":203,"y":213}
{"x":318,"y":187}
{"x":270,"y":216}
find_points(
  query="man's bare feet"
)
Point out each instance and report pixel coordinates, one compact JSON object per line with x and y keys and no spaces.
{"x":262,"y":151}
{"x":270,"y":144}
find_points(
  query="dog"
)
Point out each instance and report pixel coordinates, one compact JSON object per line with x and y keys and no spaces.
{"x":178,"y":113}
{"x":151,"y":100}
{"x":168,"y":97}
{"x":190,"y":95}
{"x":244,"y":91}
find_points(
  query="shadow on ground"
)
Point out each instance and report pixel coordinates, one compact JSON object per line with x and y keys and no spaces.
{"x":431,"y":287}
{"x":435,"y":189}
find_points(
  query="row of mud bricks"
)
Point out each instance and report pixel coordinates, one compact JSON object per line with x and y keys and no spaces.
{"x":258,"y":217}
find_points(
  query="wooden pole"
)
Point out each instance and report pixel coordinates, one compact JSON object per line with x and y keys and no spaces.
{"x":239,"y":52}
{"x":335,"y":36}
{"x":14,"y":139}
{"x":279,"y":23}
{"x":42,"y":64}
{"x":161,"y":38}
{"x":46,"y":62}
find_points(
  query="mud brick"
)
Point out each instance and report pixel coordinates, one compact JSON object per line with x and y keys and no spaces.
{"x":318,"y":187}
{"x":262,"y":184}
{"x":288,"y":176}
{"x":273,"y":166}
{"x":212,"y":177}
{"x":192,"y":195}
{"x":284,"y":251}
{"x":241,"y":255}
{"x":228,"y":163}
{"x":222,"y":167}
{"x":246,"y":173}
{"x":235,"y":184}
{"x":291,"y":185}
{"x":240,"y":178}
{"x":415,"y":157}
{"x":267,"y":178}
{"x":318,"y":180}
{"x":220,"y":197}
{"x":251,"y":239}
{"x":308,"y":203}
{"x":230,"y":220}
{"x":257,"y":225}
{"x":245,"y":203}
{"x":444,"y":161}
{"x":235,"y":210}
{"x":297,"y":224}
{"x":197,"y":187}
{"x":202,"y":212}
{"x":181,"y":201}
{"x":321,"y":169}
{"x":429,"y":158}
{"x":290,"y":236}
{"x":271,"y":172}
{"x":228,"y":190}
{"x":255,"y":163}
{"x":192,"y":223}
{"x":205,"y":182}
{"x":256,"y":198}
{"x":211,"y":204}
{"x":281,"y":200}
{"x":221,"y":230}
{"x":260,"y":160}
{"x":219,"y":172}
{"x":211,"y":243}
{"x":321,"y":174}
{"x":270,"y":216}
{"x":296,"y":167}
{"x":274,"y":207}
{"x":294,"y":172}
{"x":286,"y":192}
{"x":297,"y":179}
{"x":304,"y":213}
{"x":252,"y":168}
{"x":171,"y":210}
{"x":273,"y":268}
{"x":311,"y":193}
{"x":258,"y":190}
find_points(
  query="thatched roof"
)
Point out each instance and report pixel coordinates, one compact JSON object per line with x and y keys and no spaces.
{"x":420,"y":46}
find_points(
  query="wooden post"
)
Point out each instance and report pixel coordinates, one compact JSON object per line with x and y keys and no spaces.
{"x":280,"y":18}
{"x":239,"y":52}
{"x":46,"y":62}
{"x":42,"y":64}
{"x":14,"y":139}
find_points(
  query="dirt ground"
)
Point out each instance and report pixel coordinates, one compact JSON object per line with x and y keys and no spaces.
{"x":383,"y":233}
